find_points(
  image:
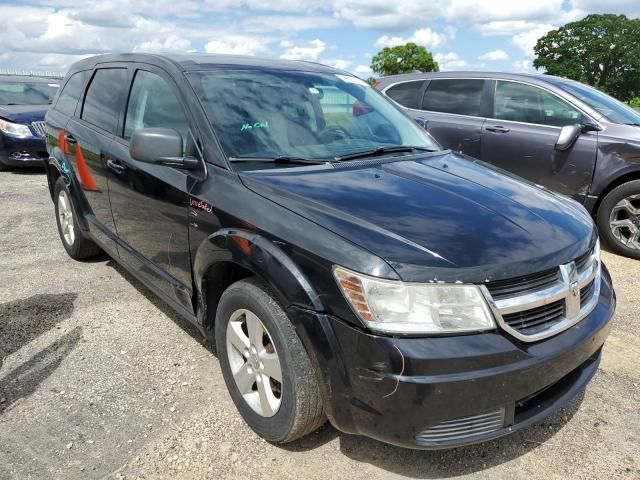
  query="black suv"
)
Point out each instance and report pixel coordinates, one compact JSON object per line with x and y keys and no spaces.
{"x":343,"y":263}
{"x":555,"y":132}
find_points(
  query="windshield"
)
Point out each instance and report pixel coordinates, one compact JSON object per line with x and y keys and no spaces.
{"x":608,"y":106}
{"x":316,"y":116}
{"x":27,"y":93}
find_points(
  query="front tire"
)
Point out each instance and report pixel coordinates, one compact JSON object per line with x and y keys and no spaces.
{"x":619,"y":219}
{"x":267,"y":370}
{"x":73,"y":240}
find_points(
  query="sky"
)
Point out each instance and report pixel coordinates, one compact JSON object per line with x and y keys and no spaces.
{"x":48,"y":35}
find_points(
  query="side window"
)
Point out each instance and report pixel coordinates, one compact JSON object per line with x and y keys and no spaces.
{"x":406,"y":93}
{"x":525,"y":103}
{"x":103,"y":98}
{"x":461,"y":96}
{"x":71,"y":93}
{"x":153,"y":104}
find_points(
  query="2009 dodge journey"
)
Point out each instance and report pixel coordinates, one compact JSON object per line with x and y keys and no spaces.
{"x":345,"y":265}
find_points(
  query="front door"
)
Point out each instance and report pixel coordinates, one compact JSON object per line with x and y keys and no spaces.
{"x":522,"y":135}
{"x":149,"y":202}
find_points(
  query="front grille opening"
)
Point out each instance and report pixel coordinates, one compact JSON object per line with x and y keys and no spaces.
{"x":535,"y":320}
{"x":582,"y":261}
{"x":514,"y":286}
{"x":463,"y":428}
{"x":586,"y":293}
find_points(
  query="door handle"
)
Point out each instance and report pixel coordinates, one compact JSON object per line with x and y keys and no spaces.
{"x":70,"y":139}
{"x":497,"y":129}
{"x":116,"y":166}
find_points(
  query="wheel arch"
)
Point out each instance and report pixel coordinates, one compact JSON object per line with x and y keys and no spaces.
{"x":622,"y":178}
{"x":230,"y":255}
{"x":56,"y":167}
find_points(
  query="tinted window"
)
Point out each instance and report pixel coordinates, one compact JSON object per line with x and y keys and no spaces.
{"x":406,"y":94}
{"x":525,"y":103}
{"x":103,"y":99}
{"x":71,"y":93}
{"x":153,"y":104}
{"x":460,"y":96}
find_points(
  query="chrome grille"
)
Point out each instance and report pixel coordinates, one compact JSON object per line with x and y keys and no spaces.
{"x":38,"y":127}
{"x":537,"y":319}
{"x":515,"y":286}
{"x":550,"y":304}
{"x":462,"y":428}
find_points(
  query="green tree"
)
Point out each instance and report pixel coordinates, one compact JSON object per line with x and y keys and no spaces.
{"x":600,"y":50}
{"x":403,"y":59}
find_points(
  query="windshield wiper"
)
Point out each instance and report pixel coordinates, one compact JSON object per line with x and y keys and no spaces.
{"x":381,"y":151}
{"x":633,"y":124}
{"x":279,"y":159}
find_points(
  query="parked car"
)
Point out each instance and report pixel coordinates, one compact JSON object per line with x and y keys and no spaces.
{"x":345,"y":266}
{"x":23,"y":103}
{"x":558,"y":133}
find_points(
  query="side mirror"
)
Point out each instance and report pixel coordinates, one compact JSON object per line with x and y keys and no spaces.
{"x":160,"y":146}
{"x":568,"y":136}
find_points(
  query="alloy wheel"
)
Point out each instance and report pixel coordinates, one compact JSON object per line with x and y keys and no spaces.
{"x":254,"y":362}
{"x":625,"y":222}
{"x":65,"y":216}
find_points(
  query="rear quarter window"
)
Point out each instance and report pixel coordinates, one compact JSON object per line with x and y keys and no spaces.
{"x":406,"y":94}
{"x":103,"y":100}
{"x":71,"y":93}
{"x":457,"y":95}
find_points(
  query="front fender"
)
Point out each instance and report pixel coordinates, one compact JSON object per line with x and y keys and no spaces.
{"x":262,"y":257}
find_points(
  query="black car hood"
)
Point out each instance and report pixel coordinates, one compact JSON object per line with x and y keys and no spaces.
{"x":23,"y":114}
{"x":439,"y":217}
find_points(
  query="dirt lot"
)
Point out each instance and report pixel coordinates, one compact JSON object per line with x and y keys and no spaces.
{"x":101,"y":380}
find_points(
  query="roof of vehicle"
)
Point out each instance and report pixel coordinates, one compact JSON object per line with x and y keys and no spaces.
{"x":530,"y":77}
{"x":195,"y":62}
{"x":28,"y":78}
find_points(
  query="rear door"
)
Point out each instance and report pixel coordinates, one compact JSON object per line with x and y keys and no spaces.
{"x":88,"y":136}
{"x":455,"y":110}
{"x":149,"y":202}
{"x":522,"y":135}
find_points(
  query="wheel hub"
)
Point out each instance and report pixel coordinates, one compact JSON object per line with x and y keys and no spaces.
{"x":254,"y":363}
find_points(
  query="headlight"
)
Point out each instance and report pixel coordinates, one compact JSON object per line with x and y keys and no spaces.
{"x":391,"y":306}
{"x":15,"y":129}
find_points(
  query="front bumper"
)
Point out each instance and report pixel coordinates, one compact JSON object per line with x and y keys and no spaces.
{"x":449,"y":391}
{"x":22,"y":152}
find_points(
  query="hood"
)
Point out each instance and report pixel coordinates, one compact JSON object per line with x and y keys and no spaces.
{"x":441,"y":217}
{"x":23,"y":114}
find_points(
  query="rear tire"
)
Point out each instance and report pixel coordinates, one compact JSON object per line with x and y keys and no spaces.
{"x":4,"y":167}
{"x":292,"y":407}
{"x":619,"y":219}
{"x":73,"y":240}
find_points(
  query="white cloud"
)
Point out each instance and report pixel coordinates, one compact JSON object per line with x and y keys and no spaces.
{"x":525,"y":41}
{"x":303,"y":51}
{"x":236,"y":45}
{"x":494,"y":56}
{"x":363,"y":71}
{"x":173,"y":43}
{"x":523,"y":66}
{"x":424,"y":36}
{"x":449,"y":61}
{"x":338,"y":63}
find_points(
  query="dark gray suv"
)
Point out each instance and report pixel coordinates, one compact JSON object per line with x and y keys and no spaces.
{"x":555,"y":132}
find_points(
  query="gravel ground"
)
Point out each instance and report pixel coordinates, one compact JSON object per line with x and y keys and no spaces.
{"x":100,"y":379}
